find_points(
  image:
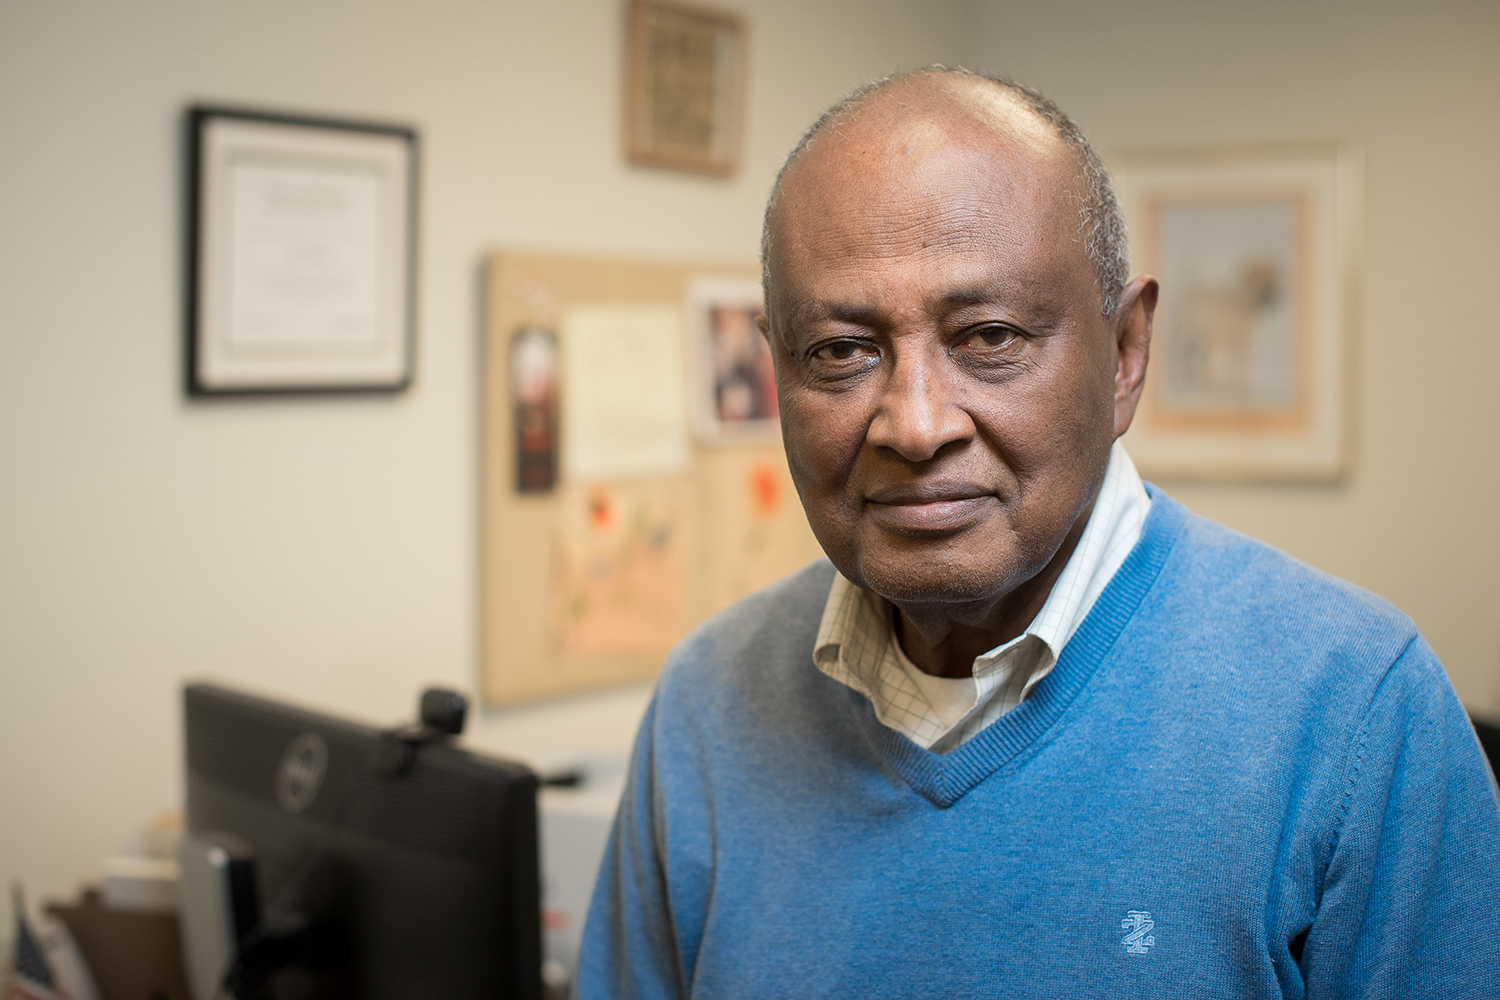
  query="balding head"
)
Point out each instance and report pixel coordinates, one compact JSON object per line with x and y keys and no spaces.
{"x":951,"y":367}
{"x":978,"y":108}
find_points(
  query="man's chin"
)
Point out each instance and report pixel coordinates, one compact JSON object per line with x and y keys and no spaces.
{"x":934,"y":581}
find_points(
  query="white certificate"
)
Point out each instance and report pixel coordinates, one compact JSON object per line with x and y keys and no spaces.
{"x":306,"y":258}
{"x":624,"y":407}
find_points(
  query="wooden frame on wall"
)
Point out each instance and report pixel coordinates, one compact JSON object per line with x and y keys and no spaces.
{"x":1251,"y":358}
{"x":685,"y":87}
{"x":301,"y":254}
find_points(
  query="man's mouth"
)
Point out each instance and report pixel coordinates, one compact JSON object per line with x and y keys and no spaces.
{"x":922,"y":508}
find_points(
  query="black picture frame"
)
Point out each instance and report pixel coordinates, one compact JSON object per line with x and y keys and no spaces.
{"x":246,"y":170}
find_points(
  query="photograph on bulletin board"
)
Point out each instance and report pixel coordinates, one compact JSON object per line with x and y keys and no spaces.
{"x":534,"y":395}
{"x":734,"y":376}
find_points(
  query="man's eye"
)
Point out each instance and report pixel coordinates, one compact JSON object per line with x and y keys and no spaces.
{"x":841,"y":350}
{"x":990,"y":335}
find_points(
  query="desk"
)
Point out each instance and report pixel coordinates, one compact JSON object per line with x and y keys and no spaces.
{"x":132,"y":955}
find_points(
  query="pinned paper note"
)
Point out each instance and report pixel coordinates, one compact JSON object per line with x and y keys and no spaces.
{"x":624,"y":409}
{"x":620,"y":569}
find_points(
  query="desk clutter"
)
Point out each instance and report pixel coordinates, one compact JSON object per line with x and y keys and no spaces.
{"x":121,"y":940}
{"x":321,"y":859}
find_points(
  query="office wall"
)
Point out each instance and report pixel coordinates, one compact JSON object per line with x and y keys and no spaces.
{"x":326,"y":549}
{"x":321,"y":549}
{"x":1418,"y":88}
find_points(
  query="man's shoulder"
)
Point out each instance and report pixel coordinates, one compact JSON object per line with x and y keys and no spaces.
{"x":1220,"y":585}
{"x":1259,"y":574}
{"x":792,"y":600}
{"x":1244,"y":638}
{"x":774,"y":625}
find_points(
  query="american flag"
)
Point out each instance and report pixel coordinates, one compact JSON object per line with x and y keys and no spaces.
{"x":33,"y":978}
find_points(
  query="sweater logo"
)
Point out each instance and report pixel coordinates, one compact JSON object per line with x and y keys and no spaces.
{"x":1139,"y":940}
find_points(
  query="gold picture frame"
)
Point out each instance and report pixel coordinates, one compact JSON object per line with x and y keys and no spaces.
{"x":1251,"y":358}
{"x":685,"y":87}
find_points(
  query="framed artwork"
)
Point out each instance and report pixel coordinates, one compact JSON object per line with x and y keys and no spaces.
{"x":685,"y":87}
{"x":733,"y":378}
{"x":1251,"y":355}
{"x":301,"y":254}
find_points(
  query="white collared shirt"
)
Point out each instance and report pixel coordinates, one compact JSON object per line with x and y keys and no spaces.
{"x":857,"y":643}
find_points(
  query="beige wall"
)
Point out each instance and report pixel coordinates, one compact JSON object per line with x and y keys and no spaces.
{"x":320,"y":549}
{"x":1417,"y":86}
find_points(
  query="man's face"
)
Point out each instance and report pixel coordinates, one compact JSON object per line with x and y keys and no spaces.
{"x":946,"y":378}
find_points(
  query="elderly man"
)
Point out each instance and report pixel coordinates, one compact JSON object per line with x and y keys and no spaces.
{"x":1032,"y":729}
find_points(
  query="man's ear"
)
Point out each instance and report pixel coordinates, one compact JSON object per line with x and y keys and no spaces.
{"x":1131,"y":327}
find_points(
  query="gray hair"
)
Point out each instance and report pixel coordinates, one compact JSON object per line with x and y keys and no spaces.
{"x":1100,"y":221}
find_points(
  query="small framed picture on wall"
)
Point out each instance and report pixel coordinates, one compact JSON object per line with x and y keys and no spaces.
{"x":685,"y":87}
{"x":301,"y":254}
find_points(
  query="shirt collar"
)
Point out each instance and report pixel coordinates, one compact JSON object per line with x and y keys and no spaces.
{"x":857,"y":624}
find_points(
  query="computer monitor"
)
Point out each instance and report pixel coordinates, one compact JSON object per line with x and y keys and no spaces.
{"x":427,"y":879}
{"x":1489,"y":741}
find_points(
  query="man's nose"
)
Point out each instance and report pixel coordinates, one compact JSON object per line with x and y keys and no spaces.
{"x":919,"y":409}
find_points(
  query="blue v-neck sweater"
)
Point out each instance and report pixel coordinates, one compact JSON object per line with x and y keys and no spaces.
{"x":1242,"y":779}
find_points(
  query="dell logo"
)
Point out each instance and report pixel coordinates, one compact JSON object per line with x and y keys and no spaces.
{"x":301,"y":772}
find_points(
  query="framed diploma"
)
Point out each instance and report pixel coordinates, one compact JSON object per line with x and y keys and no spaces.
{"x":301,"y":254}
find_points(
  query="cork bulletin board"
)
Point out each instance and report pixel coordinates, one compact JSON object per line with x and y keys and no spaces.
{"x":633,"y":477}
